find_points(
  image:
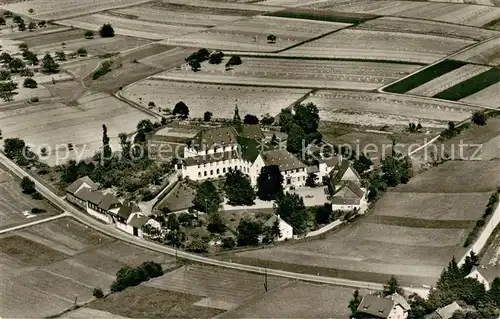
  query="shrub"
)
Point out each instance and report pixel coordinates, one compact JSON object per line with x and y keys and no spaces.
{"x":27,"y":73}
{"x":82,"y":52}
{"x":152,"y":269}
{"x":107,"y":31}
{"x":228,"y":243}
{"x":105,"y":68}
{"x":36,"y":211}
{"x":28,"y":185}
{"x":37,"y":196}
{"x":479,"y":118}
{"x":30,"y":83}
{"x":97,"y":292}
{"x":35,"y":99}
{"x":89,"y":34}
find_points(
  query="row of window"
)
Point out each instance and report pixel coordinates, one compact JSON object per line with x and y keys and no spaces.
{"x":229,"y":161}
{"x":218,"y":171}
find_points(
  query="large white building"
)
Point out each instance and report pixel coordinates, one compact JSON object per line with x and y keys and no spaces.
{"x":212,"y":152}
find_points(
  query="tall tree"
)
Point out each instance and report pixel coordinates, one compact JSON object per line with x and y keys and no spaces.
{"x":392,"y":286}
{"x":207,"y":198}
{"x":250,"y":119}
{"x":105,"y":143}
{"x":181,"y":109}
{"x":248,"y":232}
{"x":307,"y":117}
{"x":107,"y":31}
{"x":269,"y":183}
{"x":238,"y":188}
{"x":296,"y":139}
{"x":291,"y":208}
{"x":354,"y":303}
{"x":216,"y":224}
{"x":125,"y":145}
{"x":146,"y":125}
{"x":49,"y":65}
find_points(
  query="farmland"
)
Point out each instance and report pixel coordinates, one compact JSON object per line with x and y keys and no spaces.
{"x":15,"y":207}
{"x":487,"y":53}
{"x":48,"y":265}
{"x":296,"y":73}
{"x":375,"y":109}
{"x":489,"y":96}
{"x":379,"y":45}
{"x":218,"y":99}
{"x":471,"y":85}
{"x":251,"y":34}
{"x":56,"y":125}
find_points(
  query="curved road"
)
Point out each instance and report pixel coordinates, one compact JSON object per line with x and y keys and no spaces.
{"x":112,"y":231}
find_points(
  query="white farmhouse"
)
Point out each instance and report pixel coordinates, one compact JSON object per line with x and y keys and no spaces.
{"x":286,"y":231}
{"x":485,"y":275}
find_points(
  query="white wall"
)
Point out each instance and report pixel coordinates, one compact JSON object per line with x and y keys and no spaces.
{"x":105,"y":218}
{"x":286,"y":231}
{"x":298,"y":179}
{"x":345,"y":207}
{"x":397,"y":312}
{"x":477,"y":275}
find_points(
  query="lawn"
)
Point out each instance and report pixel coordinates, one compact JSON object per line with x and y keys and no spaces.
{"x":470,"y":86}
{"x":424,"y":76}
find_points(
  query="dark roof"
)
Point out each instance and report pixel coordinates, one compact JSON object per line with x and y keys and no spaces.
{"x":138,"y":220}
{"x":353,"y":187}
{"x":489,"y":272}
{"x":90,"y":195}
{"x":375,"y":306}
{"x":211,"y":158}
{"x":339,"y":200}
{"x":447,"y":311}
{"x":251,"y":148}
{"x":79,"y":182}
{"x":207,"y":138}
{"x":285,"y":160}
{"x":330,"y":161}
{"x":107,"y":201}
{"x":339,"y":171}
{"x":252,"y":131}
{"x":312,"y":169}
{"x":126,"y":209}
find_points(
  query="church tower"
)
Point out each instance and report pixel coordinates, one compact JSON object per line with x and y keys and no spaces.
{"x":237,"y":118}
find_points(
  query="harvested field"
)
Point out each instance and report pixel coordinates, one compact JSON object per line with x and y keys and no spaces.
{"x":427,"y":27}
{"x":220,"y":7}
{"x":471,"y":85}
{"x":127,"y":27}
{"x":288,"y":302}
{"x":251,"y":34}
{"x":29,"y":252}
{"x":379,"y":45}
{"x":296,"y":73}
{"x":55,"y":125}
{"x":428,"y":74}
{"x":308,"y":14}
{"x":216,"y":284}
{"x":448,"y":80}
{"x":487,"y":53}
{"x":168,"y":59}
{"x":61,"y":9}
{"x":85,"y":313}
{"x":489,"y":96}
{"x":375,"y":109}
{"x":136,"y":302}
{"x":287,"y":3}
{"x":465,"y":14}
{"x":14,"y":205}
{"x":218,"y":99}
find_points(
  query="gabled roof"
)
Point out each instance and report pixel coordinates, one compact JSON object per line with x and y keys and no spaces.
{"x":330,"y":161}
{"x":138,"y":220}
{"x":251,"y":148}
{"x":90,"y":195}
{"x":270,"y":222}
{"x":128,"y":208}
{"x":252,"y":131}
{"x":338,"y":172}
{"x":447,"y":311}
{"x":400,"y":300}
{"x":355,"y":189}
{"x":338,"y":200}
{"x":79,"y":182}
{"x":375,"y":306}
{"x":107,"y":201}
{"x":207,"y":138}
{"x":312,"y":169}
{"x":284,"y":159}
{"x":488,"y":273}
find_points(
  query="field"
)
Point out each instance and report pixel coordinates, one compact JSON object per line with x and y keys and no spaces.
{"x":132,"y":28}
{"x":379,"y":45}
{"x":465,"y":14}
{"x":59,"y":9}
{"x":421,"y":240}
{"x":45,"y":267}
{"x":55,"y":125}
{"x":376,"y":109}
{"x":218,"y":99}
{"x":288,"y":302}
{"x":296,"y":73}
{"x":491,"y":255}
{"x":489,"y":96}
{"x":222,"y":6}
{"x":448,"y":80}
{"x":487,"y":53}
{"x":427,"y":27}
{"x":471,"y":85}
{"x":308,"y":14}
{"x":251,"y":34}
{"x":167,"y":60}
{"x":15,"y":206}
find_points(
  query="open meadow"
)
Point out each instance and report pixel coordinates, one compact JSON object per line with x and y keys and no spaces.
{"x":379,"y":45}
{"x":251,"y":34}
{"x":218,"y":99}
{"x":296,"y":73}
{"x":45,"y":267}
{"x":15,"y":207}
{"x":56,"y":124}
{"x":376,"y":109}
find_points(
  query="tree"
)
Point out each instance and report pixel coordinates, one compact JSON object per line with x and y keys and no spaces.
{"x":271,"y":38}
{"x":269,"y":183}
{"x":16,"y":64}
{"x":181,"y":109}
{"x":248,"y":232}
{"x":307,"y":117}
{"x":354,"y":303}
{"x":127,"y":277}
{"x":152,"y":269}
{"x":26,"y":72}
{"x":81,"y":52}
{"x":215,"y":57}
{"x":175,"y":238}
{"x":296,"y":138}
{"x":207,"y":116}
{"x":125,"y":145}
{"x":250,"y":119}
{"x":31,"y":26}
{"x":200,"y":55}
{"x":238,"y":188}
{"x":311,"y":180}
{"x":145,"y":125}
{"x":32,"y":58}
{"x":5,"y":58}
{"x":228,"y":243}
{"x":89,"y":34}
{"x":216,"y":224}
{"x":21,"y":26}
{"x":4,"y":75}
{"x":493,"y":295}
{"x":207,"y":198}
{"x":271,"y":233}
{"x":31,"y":10}
{"x":285,"y":119}
{"x":291,"y":208}
{"x":140,"y":137}
{"x":17,"y":19}
{"x":392,"y":286}
{"x":267,"y":119}
{"x":49,"y":65}
{"x":29,"y":83}
{"x":234,"y":60}
{"x":106,"y":31}
{"x":2,"y":21}
{"x":195,"y":65}
{"x":28,"y":185}
{"x":61,"y":56}
{"x":197,"y":245}
{"x":395,"y":171}
{"x":107,"y":152}
{"x":479,"y":118}
{"x":97,"y":292}
{"x":362,"y":163}
{"x":323,"y":214}
{"x":23,"y":47}
{"x":14,"y":148}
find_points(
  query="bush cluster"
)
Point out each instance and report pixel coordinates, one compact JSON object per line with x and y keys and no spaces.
{"x":129,"y":276}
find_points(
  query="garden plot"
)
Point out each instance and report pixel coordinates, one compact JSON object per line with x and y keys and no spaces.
{"x":15,"y":207}
{"x":487,"y":53}
{"x":61,"y":9}
{"x":132,"y":28}
{"x":251,"y":34}
{"x":296,"y":73}
{"x":375,"y":109}
{"x":427,"y":27}
{"x":448,"y":80}
{"x":218,"y":99}
{"x":489,"y":96}
{"x":379,"y":45}
{"x":55,"y":125}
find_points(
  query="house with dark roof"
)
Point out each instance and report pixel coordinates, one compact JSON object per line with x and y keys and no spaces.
{"x":445,"y":312}
{"x":343,"y":172}
{"x":81,"y":183}
{"x":348,"y":196}
{"x":485,"y":274}
{"x":372,"y":306}
{"x":286,"y":230}
{"x":293,"y":170}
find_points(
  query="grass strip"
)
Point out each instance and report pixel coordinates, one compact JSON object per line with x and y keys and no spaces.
{"x":424,"y":76}
{"x":470,"y":86}
{"x":307,"y":14}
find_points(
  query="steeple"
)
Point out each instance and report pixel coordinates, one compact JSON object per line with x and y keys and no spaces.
{"x":236,"y":118}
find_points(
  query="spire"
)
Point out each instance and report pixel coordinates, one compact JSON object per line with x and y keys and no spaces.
{"x":236,"y":117}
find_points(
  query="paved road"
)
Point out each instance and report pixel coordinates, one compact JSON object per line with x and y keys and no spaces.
{"x":36,"y":222}
{"x":110,"y":230}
